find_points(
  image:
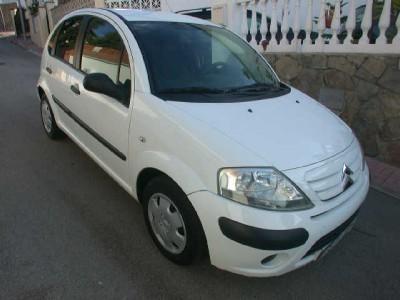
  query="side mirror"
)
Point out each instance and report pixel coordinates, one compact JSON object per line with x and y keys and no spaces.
{"x":101,"y":83}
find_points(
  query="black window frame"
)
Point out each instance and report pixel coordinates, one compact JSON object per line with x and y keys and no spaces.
{"x":55,"y":36}
{"x":285,"y":88}
{"x":124,"y":48}
{"x":79,"y":51}
{"x":58,"y":30}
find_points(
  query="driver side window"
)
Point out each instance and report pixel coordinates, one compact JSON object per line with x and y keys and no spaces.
{"x":103,"y":51}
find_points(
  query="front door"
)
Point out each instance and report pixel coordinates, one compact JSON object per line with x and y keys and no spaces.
{"x":107,"y":118}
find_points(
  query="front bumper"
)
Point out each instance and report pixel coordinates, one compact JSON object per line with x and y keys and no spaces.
{"x":287,"y":240}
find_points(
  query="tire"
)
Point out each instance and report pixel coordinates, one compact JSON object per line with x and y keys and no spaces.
{"x":189,"y":239}
{"x":48,"y":121}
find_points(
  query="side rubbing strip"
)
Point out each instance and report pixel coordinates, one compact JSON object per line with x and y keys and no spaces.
{"x":89,"y":130}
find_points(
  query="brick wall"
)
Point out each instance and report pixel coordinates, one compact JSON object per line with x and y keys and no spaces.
{"x":66,"y":7}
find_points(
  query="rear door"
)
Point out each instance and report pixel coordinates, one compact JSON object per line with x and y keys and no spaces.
{"x":64,"y":76}
{"x":48,"y":60}
{"x":107,"y":119}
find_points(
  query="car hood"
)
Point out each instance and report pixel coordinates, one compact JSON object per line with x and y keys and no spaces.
{"x":287,"y":132}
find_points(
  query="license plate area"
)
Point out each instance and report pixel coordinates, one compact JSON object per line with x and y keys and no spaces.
{"x":330,"y":239}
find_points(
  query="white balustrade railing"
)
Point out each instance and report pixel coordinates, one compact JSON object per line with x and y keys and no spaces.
{"x":336,"y":24}
{"x":135,"y":4}
{"x":396,"y":39}
{"x":326,"y":33}
{"x":321,"y":25}
{"x":366,"y":23}
{"x":296,"y":23}
{"x":303,"y":25}
{"x":351,"y":23}
{"x":274,"y":25}
{"x":384,"y":23}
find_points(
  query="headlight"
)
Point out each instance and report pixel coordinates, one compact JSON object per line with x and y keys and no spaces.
{"x":265,"y":188}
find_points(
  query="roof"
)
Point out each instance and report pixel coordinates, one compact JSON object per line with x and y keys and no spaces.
{"x":148,"y":15}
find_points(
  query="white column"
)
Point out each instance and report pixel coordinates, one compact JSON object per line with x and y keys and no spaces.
{"x":233,"y":15}
{"x":253,"y":28}
{"x":308,"y":25}
{"x":384,"y":22}
{"x":245,"y":26}
{"x":366,"y":23}
{"x":164,"y":5}
{"x":336,"y":23}
{"x":296,"y":22}
{"x":274,"y":25}
{"x":321,"y":23}
{"x":263,"y":25}
{"x":285,"y":24}
{"x":97,"y":4}
{"x":396,"y":39}
{"x":351,"y":23}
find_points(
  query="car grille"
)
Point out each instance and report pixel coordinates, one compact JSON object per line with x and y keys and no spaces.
{"x":331,"y":236}
{"x":327,"y":180}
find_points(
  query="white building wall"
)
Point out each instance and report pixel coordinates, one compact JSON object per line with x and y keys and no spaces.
{"x":183,"y":5}
{"x":13,"y":1}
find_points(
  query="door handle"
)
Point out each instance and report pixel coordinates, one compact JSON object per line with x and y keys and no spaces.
{"x":49,"y":70}
{"x":75,"y":89}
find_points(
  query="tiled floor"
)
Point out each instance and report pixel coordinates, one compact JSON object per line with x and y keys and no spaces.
{"x":384,"y":176}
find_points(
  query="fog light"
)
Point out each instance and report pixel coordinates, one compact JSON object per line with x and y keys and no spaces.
{"x":268,"y":259}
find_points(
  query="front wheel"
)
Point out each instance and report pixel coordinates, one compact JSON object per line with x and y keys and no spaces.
{"x":172,"y":221}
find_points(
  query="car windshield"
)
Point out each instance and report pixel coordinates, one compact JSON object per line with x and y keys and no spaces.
{"x":203,"y":63}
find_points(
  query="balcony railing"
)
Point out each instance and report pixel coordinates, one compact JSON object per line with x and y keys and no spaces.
{"x":136,"y":4}
{"x":324,"y":33}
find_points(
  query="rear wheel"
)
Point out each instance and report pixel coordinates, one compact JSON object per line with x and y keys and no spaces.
{"x":48,"y":121}
{"x":172,"y":221}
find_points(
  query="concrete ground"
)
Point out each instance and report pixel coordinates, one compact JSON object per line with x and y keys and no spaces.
{"x":68,"y":231}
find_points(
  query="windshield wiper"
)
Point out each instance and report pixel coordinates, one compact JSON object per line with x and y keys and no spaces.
{"x":192,"y":90}
{"x":256,"y":88}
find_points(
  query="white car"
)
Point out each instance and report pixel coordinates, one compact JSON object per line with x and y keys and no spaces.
{"x":191,"y":121}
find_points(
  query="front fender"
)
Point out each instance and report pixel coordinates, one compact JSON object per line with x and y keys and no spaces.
{"x":187,"y":179}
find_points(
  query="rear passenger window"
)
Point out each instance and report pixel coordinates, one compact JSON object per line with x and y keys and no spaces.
{"x":65,"y":48}
{"x":104,"y":52}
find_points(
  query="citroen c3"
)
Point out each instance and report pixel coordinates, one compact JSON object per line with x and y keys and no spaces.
{"x":225,"y":159}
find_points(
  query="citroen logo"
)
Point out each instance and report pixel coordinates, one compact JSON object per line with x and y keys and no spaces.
{"x":346,"y":179}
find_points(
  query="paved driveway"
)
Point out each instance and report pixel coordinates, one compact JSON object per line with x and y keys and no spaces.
{"x":68,"y":231}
